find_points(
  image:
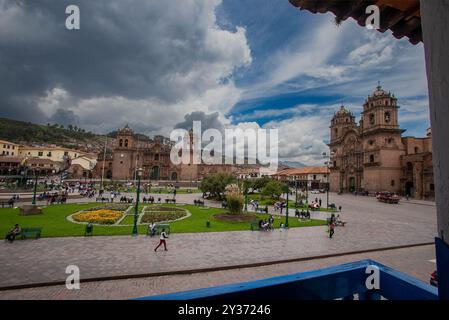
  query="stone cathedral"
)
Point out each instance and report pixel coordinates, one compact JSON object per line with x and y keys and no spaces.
{"x":374,"y":156}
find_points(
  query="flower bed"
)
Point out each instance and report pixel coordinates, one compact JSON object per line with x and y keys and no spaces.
{"x":162,"y":209}
{"x":160,"y":214}
{"x":112,"y":206}
{"x":102,"y":216}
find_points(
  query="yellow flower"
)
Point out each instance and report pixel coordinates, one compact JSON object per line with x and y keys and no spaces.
{"x":98,"y":216}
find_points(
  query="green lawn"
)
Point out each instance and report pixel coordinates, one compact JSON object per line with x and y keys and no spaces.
{"x":55,"y":224}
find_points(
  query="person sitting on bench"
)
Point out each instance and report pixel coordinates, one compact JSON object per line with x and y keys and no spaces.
{"x":11,"y":203}
{"x":339,"y":222}
{"x":265,"y":225}
{"x":297,"y":214}
{"x":11,"y":236}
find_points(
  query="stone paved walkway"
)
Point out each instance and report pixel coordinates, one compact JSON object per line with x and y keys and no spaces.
{"x":414,"y":261}
{"x":371,"y":225}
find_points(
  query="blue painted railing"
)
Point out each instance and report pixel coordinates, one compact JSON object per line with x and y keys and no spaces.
{"x":337,"y":282}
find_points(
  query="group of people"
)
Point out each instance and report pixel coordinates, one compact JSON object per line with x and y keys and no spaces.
{"x":334,"y":221}
{"x":279,"y":206}
{"x":125,"y":199}
{"x":302,"y":214}
{"x":267,"y":224}
{"x":52,"y":198}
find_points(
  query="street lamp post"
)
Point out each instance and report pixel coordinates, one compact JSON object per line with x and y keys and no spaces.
{"x":136,"y":208}
{"x":35,"y":189}
{"x":307,"y":196}
{"x":286,"y":208}
{"x":328,"y":164}
{"x":296,"y":192}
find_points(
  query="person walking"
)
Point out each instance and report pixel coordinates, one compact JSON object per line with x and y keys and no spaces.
{"x":331,"y":229}
{"x":162,"y":241}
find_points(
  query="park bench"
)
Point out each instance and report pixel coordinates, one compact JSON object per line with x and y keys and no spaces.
{"x":255,"y":226}
{"x":89,"y":231}
{"x":262,"y":210}
{"x":6,"y":204}
{"x":158,"y":229}
{"x":28,"y":233}
{"x":31,"y":232}
{"x":198,"y":203}
{"x":170,"y":201}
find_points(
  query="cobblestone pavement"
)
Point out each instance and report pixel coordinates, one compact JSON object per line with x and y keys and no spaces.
{"x":370,"y":225}
{"x":413,"y":261}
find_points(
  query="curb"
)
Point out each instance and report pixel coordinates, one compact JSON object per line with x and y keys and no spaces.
{"x":211,"y":269}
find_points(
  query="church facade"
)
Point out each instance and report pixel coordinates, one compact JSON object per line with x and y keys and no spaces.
{"x":374,"y":156}
{"x":131,"y":151}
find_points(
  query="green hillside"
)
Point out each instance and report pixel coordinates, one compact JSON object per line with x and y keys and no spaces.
{"x":29,"y":133}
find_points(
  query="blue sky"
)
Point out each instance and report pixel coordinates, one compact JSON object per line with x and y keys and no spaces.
{"x":231,"y":63}
{"x":304,"y":66}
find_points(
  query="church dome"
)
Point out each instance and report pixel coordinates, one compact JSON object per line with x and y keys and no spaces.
{"x":343,"y":111}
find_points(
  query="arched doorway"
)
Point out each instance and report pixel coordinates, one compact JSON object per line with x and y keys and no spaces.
{"x":351,"y":184}
{"x":155,"y":173}
{"x":174,"y":176}
{"x":409,"y":188}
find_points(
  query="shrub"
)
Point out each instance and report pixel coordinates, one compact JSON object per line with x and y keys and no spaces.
{"x":235,"y":203}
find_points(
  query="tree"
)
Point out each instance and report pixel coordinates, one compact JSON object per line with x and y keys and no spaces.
{"x":273,"y":189}
{"x":260,"y":183}
{"x":216,"y":184}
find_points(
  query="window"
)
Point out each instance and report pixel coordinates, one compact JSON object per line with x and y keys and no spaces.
{"x":371,"y":158}
{"x":416,"y":150}
{"x":12,"y":153}
{"x":372,"y":118}
{"x":40,"y":154}
{"x":156,"y":157}
{"x":371,"y":142}
{"x":66,"y":153}
{"x":126,"y":143}
{"x":432,"y":187}
{"x":387,"y":117}
{"x":121,"y":143}
{"x":49,"y":154}
{"x":392,"y":183}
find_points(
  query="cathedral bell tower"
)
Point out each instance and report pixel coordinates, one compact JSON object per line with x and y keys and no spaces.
{"x":342,"y":121}
{"x":380,"y":111}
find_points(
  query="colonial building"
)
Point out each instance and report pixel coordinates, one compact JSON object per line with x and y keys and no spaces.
{"x":153,"y":156}
{"x":373,"y":156}
{"x":315,"y":177}
{"x":8,"y":148}
{"x":131,"y":151}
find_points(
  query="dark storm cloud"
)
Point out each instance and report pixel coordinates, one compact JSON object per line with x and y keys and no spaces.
{"x":208,"y":121}
{"x":65,"y":117}
{"x":135,"y":49}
